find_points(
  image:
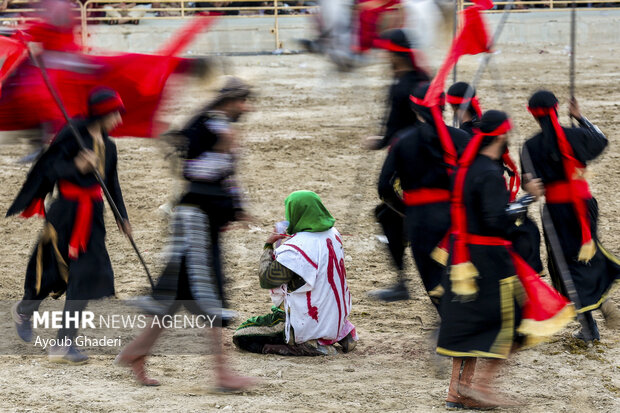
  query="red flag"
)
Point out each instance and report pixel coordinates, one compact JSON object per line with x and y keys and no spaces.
{"x":472,"y":39}
{"x":12,"y":53}
{"x":140,"y":79}
{"x":484,"y":4}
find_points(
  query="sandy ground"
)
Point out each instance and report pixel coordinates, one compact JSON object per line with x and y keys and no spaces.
{"x":305,"y":134}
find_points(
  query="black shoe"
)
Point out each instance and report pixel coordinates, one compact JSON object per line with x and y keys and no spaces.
{"x":22,"y":324}
{"x":581,"y":335}
{"x":348,"y":343}
{"x":398,"y":292}
{"x":311,"y":46}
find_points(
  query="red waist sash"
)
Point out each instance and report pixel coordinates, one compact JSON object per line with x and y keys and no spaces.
{"x":560,"y":192}
{"x":83,"y":223}
{"x":424,"y":196}
{"x":486,"y":240}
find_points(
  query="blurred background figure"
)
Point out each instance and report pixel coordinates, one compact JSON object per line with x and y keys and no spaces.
{"x":123,"y":13}
{"x":347,"y":31}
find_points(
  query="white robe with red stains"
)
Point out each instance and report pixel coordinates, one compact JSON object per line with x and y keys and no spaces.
{"x":318,"y":309}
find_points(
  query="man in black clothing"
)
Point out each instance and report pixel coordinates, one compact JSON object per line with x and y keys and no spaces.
{"x":491,"y":294}
{"x":524,"y":232}
{"x":70,"y":256}
{"x":423,"y":160}
{"x":559,"y":157}
{"x":462,"y":98}
{"x":407,"y":68}
{"x":408,"y":74}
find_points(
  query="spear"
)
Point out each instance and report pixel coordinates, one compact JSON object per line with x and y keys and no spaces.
{"x":573,"y":35}
{"x":469,"y":93}
{"x":39,"y":63}
{"x":556,"y":251}
{"x":549,"y":228}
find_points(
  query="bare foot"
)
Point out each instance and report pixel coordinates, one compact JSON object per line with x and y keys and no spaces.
{"x":228,"y":381}
{"x":138,"y":369}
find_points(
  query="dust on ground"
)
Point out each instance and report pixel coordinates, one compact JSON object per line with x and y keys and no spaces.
{"x":305,"y":134}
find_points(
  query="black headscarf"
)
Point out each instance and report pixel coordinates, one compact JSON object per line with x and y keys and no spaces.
{"x":418,"y":93}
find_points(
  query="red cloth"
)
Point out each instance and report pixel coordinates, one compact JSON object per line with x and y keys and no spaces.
{"x":37,"y":207}
{"x":561,"y":192}
{"x":424,"y":196}
{"x":471,"y":39}
{"x":84,"y":216}
{"x":458,"y":213}
{"x":61,"y":39}
{"x":542,"y":301}
{"x":368,"y":19}
{"x":484,"y":4}
{"x":515,"y":180}
{"x":457,"y":100}
{"x":12,"y":53}
{"x":577,"y":188}
{"x":138,"y":78}
{"x":393,"y":47}
{"x":450,"y":155}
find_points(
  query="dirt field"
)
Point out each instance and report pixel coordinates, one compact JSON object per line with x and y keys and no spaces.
{"x":305,"y":134}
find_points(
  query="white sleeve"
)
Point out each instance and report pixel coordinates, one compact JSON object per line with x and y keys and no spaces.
{"x":299,"y":261}
{"x":209,"y":166}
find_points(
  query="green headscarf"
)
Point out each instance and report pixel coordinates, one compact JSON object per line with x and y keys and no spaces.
{"x":305,"y":212}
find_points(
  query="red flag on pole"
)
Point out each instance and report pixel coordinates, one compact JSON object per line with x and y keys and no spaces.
{"x":484,"y":4}
{"x":472,"y":39}
{"x":12,"y":53}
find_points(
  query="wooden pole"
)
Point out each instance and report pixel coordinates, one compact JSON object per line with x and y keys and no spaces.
{"x":39,"y":63}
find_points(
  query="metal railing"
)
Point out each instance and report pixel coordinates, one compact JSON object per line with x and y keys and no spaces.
{"x":110,"y":11}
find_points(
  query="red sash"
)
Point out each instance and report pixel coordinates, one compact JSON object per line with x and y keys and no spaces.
{"x":560,"y":192}
{"x":545,"y":311}
{"x":83,"y":223}
{"x":573,"y":187}
{"x":425,"y":196}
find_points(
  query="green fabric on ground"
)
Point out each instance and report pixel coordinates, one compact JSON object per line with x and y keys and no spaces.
{"x":268,"y":320}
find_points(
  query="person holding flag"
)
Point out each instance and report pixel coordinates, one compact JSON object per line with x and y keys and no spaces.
{"x":487,"y":311}
{"x":524,"y":234}
{"x":423,"y":161}
{"x":559,"y":157}
{"x":70,"y":256}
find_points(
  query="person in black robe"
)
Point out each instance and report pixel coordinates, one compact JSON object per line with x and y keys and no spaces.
{"x":553,"y":152}
{"x":488,"y":284}
{"x":70,"y":256}
{"x":193,"y":275}
{"x":464,"y":103}
{"x":524,"y":233}
{"x":407,"y":75}
{"x":423,"y":160}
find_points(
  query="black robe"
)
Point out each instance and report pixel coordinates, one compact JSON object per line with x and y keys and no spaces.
{"x":524,"y":233}
{"x":486,"y":325}
{"x":594,"y":279}
{"x":417,"y":161}
{"x":90,"y":276}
